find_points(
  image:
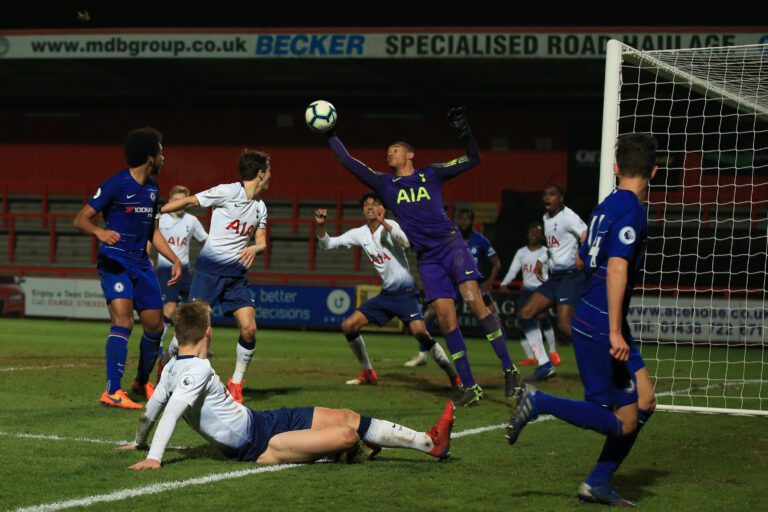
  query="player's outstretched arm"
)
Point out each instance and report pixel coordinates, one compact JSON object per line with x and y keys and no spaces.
{"x":167,"y":424}
{"x":84,"y":222}
{"x":180,"y":204}
{"x":457,"y":119}
{"x":362,"y":172}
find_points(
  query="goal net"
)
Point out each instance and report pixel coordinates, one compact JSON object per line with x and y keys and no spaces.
{"x":699,"y":308}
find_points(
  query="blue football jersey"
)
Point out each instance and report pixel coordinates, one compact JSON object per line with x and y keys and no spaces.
{"x":482,"y":252}
{"x":130,"y":209}
{"x":617,"y":229}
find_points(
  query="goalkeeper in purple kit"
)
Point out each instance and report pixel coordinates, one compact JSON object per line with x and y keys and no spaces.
{"x":445,"y":263}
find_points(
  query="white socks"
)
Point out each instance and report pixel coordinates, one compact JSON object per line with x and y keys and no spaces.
{"x":357,"y":346}
{"x":391,"y":435}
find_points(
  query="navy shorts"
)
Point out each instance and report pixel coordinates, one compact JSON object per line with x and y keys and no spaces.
{"x":403,"y":303}
{"x":120,"y":280}
{"x":607,"y":382}
{"x":267,"y":424}
{"x":231,"y":291}
{"x":563,"y":287}
{"x":178,"y":292}
{"x":443,"y":268}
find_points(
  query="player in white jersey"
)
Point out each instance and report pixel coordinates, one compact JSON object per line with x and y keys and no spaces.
{"x":239,"y":214}
{"x":189,"y":388}
{"x":564,"y":231}
{"x":384,"y":243}
{"x":533,"y":344}
{"x":178,"y":229}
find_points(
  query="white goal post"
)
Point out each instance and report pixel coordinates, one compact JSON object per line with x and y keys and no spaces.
{"x":699,"y":312}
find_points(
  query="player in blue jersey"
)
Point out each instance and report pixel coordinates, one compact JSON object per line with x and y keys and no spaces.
{"x":128,"y":202}
{"x":239,"y":214}
{"x":415,"y":197}
{"x":618,"y":392}
{"x":487,"y":262}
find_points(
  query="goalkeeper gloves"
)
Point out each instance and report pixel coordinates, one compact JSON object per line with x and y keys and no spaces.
{"x":457,"y":119}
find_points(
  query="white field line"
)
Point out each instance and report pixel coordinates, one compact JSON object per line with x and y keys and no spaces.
{"x":124,"y":494}
{"x":49,"y":367}
{"x":54,"y":437}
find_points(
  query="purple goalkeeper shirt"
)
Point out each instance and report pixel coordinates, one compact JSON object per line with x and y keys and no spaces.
{"x":415,"y":200}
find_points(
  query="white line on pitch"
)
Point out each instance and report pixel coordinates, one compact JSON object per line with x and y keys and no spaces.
{"x":50,"y":367}
{"x":54,"y":437}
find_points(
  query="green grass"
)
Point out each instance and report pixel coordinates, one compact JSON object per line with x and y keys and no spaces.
{"x":681,"y":461}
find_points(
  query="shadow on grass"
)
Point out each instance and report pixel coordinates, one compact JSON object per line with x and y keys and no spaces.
{"x":203,"y":451}
{"x":635,"y":486}
{"x":264,"y":393}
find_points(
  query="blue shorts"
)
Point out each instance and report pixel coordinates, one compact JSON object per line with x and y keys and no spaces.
{"x":120,"y":280}
{"x":267,"y":424}
{"x":231,"y":291}
{"x":178,"y":292}
{"x":403,"y":303}
{"x":443,"y":268}
{"x":607,"y":382}
{"x":563,"y":287}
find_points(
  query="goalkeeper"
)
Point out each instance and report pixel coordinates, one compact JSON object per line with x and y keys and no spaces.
{"x":415,"y":198}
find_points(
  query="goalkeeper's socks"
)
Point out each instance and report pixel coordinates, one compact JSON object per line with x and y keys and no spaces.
{"x":458,"y":349}
{"x":495,"y":334}
{"x":116,"y":350}
{"x":615,"y":451}
{"x":582,"y":414}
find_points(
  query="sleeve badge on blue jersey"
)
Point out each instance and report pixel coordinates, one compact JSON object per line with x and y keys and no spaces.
{"x":627,"y":235}
{"x":187,"y":382}
{"x":97,"y":194}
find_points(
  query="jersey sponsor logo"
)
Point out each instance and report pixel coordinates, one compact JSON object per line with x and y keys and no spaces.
{"x":187,"y":382}
{"x":553,"y":242}
{"x":138,"y":209}
{"x":379,"y":258}
{"x":627,"y":235}
{"x":119,"y":287}
{"x":409,"y":195}
{"x":178,"y":241}
{"x":241,"y":228}
{"x":97,"y":194}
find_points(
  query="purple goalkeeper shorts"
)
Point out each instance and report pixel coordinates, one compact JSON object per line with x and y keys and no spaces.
{"x":444,"y":268}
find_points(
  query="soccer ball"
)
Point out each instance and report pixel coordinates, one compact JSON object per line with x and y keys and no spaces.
{"x":320,"y":116}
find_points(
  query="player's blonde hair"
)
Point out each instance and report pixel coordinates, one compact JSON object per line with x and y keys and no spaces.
{"x":178,"y":189}
{"x":191,"y":321}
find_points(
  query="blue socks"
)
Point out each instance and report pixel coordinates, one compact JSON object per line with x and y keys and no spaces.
{"x":365,"y":423}
{"x":587,"y":415}
{"x":458,"y":349}
{"x":149,"y":350}
{"x":116,"y":352}
{"x":495,"y":334}
{"x":615,"y":451}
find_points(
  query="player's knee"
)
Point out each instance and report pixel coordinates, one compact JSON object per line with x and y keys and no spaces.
{"x":348,"y":436}
{"x":248,"y":332}
{"x":628,"y":426}
{"x":525,"y":313}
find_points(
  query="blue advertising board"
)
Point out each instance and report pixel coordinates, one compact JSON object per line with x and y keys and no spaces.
{"x":297,"y":306}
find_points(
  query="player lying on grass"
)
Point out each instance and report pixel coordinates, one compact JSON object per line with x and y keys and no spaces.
{"x":189,"y":388}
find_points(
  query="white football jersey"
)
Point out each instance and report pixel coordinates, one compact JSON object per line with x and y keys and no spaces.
{"x":563,"y":233}
{"x":234,"y":221}
{"x":386,"y":254}
{"x":525,"y":260}
{"x":209,"y":409}
{"x":178,"y":231}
